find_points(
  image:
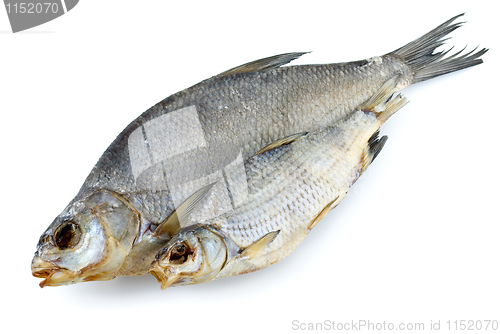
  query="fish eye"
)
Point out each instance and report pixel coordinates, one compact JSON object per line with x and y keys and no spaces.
{"x":67,"y":235}
{"x":179,"y":253}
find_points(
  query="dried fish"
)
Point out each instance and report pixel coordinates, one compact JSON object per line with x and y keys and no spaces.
{"x":116,"y":223}
{"x":290,"y":188}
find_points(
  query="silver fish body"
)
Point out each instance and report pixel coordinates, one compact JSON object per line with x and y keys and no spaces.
{"x":167,"y":152}
{"x":290,"y":188}
{"x":202,"y":129}
{"x":191,"y":139}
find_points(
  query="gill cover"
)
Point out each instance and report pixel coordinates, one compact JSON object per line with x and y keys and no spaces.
{"x":195,"y":255}
{"x":88,"y":241}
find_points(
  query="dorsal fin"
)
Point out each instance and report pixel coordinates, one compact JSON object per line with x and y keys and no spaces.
{"x":264,"y":64}
{"x":258,"y":247}
{"x":280,"y":142}
{"x":171,"y":225}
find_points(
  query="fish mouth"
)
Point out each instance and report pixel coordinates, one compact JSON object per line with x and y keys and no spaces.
{"x":162,"y":278}
{"x":53,"y":275}
{"x":43,"y":269}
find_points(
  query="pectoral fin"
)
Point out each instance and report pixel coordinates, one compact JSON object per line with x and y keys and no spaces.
{"x":259,"y":246}
{"x":284,"y":141}
{"x":264,"y":64}
{"x":171,"y":225}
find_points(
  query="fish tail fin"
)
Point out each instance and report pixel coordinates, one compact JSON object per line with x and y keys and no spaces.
{"x":376,"y":144}
{"x":372,"y":149}
{"x":420,"y":54}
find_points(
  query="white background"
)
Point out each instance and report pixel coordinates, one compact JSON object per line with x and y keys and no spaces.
{"x":416,"y":240}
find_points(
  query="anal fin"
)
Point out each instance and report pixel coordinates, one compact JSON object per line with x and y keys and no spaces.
{"x":382,"y":103}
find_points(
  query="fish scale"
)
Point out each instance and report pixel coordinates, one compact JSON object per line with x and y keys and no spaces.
{"x":313,"y":171}
{"x":290,"y":186}
{"x":304,"y":192}
{"x":279,"y":110}
{"x":203,"y":134}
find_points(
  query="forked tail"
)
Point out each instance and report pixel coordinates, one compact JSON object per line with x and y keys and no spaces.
{"x":426,"y":63}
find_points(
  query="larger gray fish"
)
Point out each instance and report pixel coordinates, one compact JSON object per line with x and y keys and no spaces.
{"x":290,"y":189}
{"x":194,"y":137}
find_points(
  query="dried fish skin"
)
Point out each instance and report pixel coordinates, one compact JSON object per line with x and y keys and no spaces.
{"x":88,"y":241}
{"x":195,"y":255}
{"x":168,"y":152}
{"x":205,"y":133}
{"x":291,"y":187}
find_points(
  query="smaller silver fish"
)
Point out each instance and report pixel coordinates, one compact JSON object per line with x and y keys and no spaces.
{"x":291,"y":187}
{"x":193,"y":137}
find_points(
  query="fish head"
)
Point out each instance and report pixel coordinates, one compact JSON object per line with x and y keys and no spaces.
{"x":194,"y":255}
{"x":88,"y":241}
